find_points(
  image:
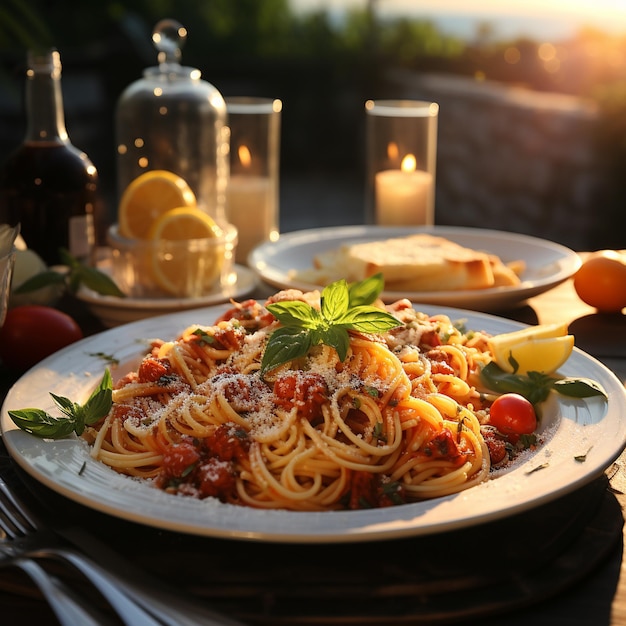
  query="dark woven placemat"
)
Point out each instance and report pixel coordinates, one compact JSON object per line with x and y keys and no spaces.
{"x":479,"y":571}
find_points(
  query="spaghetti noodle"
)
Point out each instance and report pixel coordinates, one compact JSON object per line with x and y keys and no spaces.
{"x":398,"y":420}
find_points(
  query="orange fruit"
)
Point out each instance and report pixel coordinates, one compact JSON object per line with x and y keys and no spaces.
{"x":186,"y":253}
{"x":149,"y":196}
{"x":601,"y":281}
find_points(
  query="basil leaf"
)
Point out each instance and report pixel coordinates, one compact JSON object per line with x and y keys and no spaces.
{"x":67,"y":258}
{"x":579,"y":388}
{"x":78,"y":274}
{"x":98,"y":406}
{"x":335,"y":300}
{"x":304,"y":326}
{"x":41,"y":424}
{"x":106,"y":383}
{"x":536,"y":386}
{"x":366,"y":291}
{"x":535,"y":389}
{"x":513,"y":362}
{"x":295,"y":313}
{"x":204,"y":338}
{"x":338,"y":338}
{"x":284,"y":345}
{"x":98,"y":281}
{"x":368,"y":319}
{"x":79,"y":420}
{"x":43,"y":279}
{"x":65,"y":404}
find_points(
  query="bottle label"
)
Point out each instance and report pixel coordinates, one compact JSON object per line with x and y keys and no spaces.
{"x":81,"y":236}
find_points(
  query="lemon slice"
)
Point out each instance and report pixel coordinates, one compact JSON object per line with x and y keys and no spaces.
{"x":543,"y":348}
{"x":147,"y":198}
{"x":184,"y":223}
{"x":187,"y":252}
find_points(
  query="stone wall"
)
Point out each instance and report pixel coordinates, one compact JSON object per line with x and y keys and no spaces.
{"x":513,"y":159}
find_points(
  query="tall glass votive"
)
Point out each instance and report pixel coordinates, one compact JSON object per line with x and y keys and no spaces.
{"x":401,"y":140}
{"x":252,"y":196}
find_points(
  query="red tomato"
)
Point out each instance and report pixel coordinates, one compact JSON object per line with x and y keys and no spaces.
{"x":32,"y":332}
{"x":179,"y":459}
{"x":512,"y":414}
{"x":306,"y":391}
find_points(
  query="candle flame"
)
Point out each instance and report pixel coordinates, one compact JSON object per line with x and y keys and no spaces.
{"x":392,"y":151}
{"x":409,"y":163}
{"x":245,"y":157}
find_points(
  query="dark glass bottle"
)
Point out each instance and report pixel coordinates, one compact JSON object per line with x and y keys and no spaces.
{"x":47,"y":184}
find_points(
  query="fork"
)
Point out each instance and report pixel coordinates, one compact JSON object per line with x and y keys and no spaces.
{"x":68,"y":608}
{"x":22,"y":535}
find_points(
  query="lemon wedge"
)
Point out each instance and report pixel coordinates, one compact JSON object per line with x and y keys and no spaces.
{"x":187,"y":254}
{"x":147,"y":198}
{"x":543,"y":348}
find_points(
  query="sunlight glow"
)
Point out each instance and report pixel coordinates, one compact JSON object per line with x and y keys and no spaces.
{"x":609,"y":15}
{"x":512,"y":55}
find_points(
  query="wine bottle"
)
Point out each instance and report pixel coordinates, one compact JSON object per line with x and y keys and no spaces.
{"x":47,"y":185}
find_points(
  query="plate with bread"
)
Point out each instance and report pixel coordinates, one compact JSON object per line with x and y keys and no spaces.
{"x":471,"y":268}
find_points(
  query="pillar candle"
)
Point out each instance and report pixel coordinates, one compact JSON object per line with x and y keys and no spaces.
{"x":251,"y":209}
{"x":403,"y":198}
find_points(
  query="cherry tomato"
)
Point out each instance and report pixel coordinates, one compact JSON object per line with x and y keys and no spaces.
{"x":32,"y":332}
{"x":601,"y":281}
{"x":512,"y":414}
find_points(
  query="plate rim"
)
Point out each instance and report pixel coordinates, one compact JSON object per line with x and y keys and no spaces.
{"x":168,"y":304}
{"x":243,"y":523}
{"x":263,"y":254}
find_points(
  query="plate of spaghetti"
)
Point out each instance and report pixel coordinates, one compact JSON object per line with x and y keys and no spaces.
{"x":228,"y":422}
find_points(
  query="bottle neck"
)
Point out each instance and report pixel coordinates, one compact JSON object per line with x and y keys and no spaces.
{"x":44,"y":99}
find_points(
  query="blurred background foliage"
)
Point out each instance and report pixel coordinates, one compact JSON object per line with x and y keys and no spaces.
{"x":322,"y":71}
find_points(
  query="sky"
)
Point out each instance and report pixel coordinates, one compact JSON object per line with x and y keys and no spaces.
{"x":558,"y":14}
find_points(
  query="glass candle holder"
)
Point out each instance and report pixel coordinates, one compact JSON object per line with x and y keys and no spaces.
{"x":252,"y":196}
{"x":171,"y":119}
{"x":177,"y":268}
{"x":401,"y":140}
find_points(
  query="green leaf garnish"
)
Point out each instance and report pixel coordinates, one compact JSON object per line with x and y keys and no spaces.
{"x":77,"y":275}
{"x":537,"y":468}
{"x":97,"y":281}
{"x":536,"y":386}
{"x":109,"y":358}
{"x":579,"y":387}
{"x":581,"y":458}
{"x":38,"y":422}
{"x":296,"y":313}
{"x":43,"y":279}
{"x":366,"y":291}
{"x":342,"y":308}
{"x":284,"y":345}
{"x":204,"y":339}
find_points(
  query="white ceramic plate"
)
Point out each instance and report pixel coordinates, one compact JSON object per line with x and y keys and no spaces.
{"x":112,"y":311}
{"x":547,"y":263}
{"x":577,"y":427}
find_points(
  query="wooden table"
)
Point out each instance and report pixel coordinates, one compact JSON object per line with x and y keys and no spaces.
{"x":602,"y":336}
{"x":598,"y":598}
